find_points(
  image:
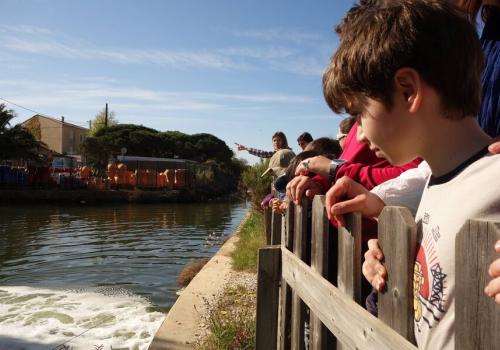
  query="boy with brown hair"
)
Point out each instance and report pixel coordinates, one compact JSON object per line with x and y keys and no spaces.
{"x":410,"y":72}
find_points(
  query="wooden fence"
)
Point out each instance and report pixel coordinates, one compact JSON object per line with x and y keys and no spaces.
{"x":312,"y":281}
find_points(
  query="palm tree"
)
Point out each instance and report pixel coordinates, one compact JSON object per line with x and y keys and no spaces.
{"x":6,"y":115}
{"x":16,"y":142}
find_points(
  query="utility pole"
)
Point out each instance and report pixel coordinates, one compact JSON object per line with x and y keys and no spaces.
{"x":90,"y":124}
{"x":106,"y":117}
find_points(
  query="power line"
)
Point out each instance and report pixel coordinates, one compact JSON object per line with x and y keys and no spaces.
{"x":31,"y":110}
{"x":28,"y":109}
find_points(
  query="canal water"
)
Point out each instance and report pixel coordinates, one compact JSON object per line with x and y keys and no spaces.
{"x":99,"y":277}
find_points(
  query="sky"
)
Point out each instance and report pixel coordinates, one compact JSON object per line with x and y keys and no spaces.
{"x":240,"y":70}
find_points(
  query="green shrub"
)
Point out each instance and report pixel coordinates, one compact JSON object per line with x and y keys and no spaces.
{"x":204,"y":176}
{"x":256,"y":185}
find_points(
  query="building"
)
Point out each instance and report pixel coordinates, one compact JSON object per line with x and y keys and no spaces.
{"x":60,"y":136}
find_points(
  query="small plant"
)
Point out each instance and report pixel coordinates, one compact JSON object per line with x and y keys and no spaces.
{"x":232,"y":321}
{"x":190,"y":270}
{"x":251,"y":238}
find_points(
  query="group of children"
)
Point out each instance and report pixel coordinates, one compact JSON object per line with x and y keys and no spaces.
{"x":411,"y":74}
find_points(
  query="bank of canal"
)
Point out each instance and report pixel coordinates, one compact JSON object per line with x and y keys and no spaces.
{"x":107,"y":272}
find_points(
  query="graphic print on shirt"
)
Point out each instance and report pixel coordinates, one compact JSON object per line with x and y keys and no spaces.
{"x":429,"y":289}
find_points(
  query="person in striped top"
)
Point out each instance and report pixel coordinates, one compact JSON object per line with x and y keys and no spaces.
{"x":279,"y":142}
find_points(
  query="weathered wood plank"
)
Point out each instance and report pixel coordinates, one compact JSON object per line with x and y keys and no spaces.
{"x":268,"y":214}
{"x":299,"y":249}
{"x":284,"y":333}
{"x":268,"y":279}
{"x":319,"y":263}
{"x":397,"y":233}
{"x":351,"y":324}
{"x":276,"y":228}
{"x":477,"y":317}
{"x":287,"y":238}
{"x":349,"y":257}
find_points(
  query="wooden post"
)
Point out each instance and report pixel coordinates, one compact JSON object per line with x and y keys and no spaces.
{"x":299,"y":244}
{"x":268,"y":224}
{"x":477,"y":317}
{"x":276,"y":228}
{"x":397,"y":234}
{"x":284,"y":335}
{"x":319,"y":263}
{"x":268,"y":280}
{"x":349,"y":258}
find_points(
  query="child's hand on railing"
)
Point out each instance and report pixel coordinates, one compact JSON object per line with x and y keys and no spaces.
{"x":301,"y":185}
{"x":373,"y":270}
{"x":319,"y":165}
{"x":493,"y":288}
{"x":347,"y":196}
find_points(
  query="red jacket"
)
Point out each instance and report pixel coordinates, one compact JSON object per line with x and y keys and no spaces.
{"x":363,"y":166}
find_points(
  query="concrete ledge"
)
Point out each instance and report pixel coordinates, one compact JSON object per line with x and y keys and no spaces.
{"x":181,"y":323}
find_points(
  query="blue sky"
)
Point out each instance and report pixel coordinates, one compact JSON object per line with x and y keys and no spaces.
{"x":240,"y":70}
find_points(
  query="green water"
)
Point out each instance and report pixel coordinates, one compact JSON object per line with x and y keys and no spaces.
{"x":137,"y":248}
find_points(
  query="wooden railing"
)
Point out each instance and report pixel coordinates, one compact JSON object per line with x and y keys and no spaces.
{"x":318,"y":270}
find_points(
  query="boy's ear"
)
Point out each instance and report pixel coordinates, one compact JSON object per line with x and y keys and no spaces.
{"x":408,"y":85}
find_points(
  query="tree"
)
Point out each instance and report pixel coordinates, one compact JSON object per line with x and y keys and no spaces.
{"x":99,"y":121}
{"x":16,"y":142}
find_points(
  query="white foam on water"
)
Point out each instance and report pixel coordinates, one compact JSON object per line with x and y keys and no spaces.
{"x":33,"y":318}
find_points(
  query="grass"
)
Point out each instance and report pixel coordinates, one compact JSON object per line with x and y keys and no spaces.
{"x":252,"y":237}
{"x":232,"y":321}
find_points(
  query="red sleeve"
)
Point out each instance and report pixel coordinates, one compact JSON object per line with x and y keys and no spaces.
{"x":374,"y":174}
{"x":324,"y":182}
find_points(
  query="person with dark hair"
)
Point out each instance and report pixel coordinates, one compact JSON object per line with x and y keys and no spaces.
{"x":279,"y":142}
{"x":304,"y":139}
{"x":406,"y":190}
{"x":324,"y":146}
{"x":415,"y":99}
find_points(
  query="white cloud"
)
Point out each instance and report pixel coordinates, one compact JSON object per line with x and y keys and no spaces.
{"x":307,"y":66}
{"x":83,"y":99}
{"x":279,"y":34}
{"x":25,"y":29}
{"x":178,"y":59}
{"x":40,"y":41}
{"x":258,"y":52}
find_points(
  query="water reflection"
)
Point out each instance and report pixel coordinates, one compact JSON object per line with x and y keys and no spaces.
{"x":137,"y":247}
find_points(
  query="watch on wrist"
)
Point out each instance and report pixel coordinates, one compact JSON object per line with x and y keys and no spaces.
{"x":334,"y":167}
{"x":305,"y":164}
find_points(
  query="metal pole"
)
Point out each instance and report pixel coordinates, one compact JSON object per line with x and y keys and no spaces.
{"x":106,"y":117}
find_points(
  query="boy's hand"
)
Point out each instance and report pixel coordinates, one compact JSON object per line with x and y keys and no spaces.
{"x":300,"y":185}
{"x":373,"y":270}
{"x":347,"y":196}
{"x":495,"y":146}
{"x":493,"y":288}
{"x":318,"y":165}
